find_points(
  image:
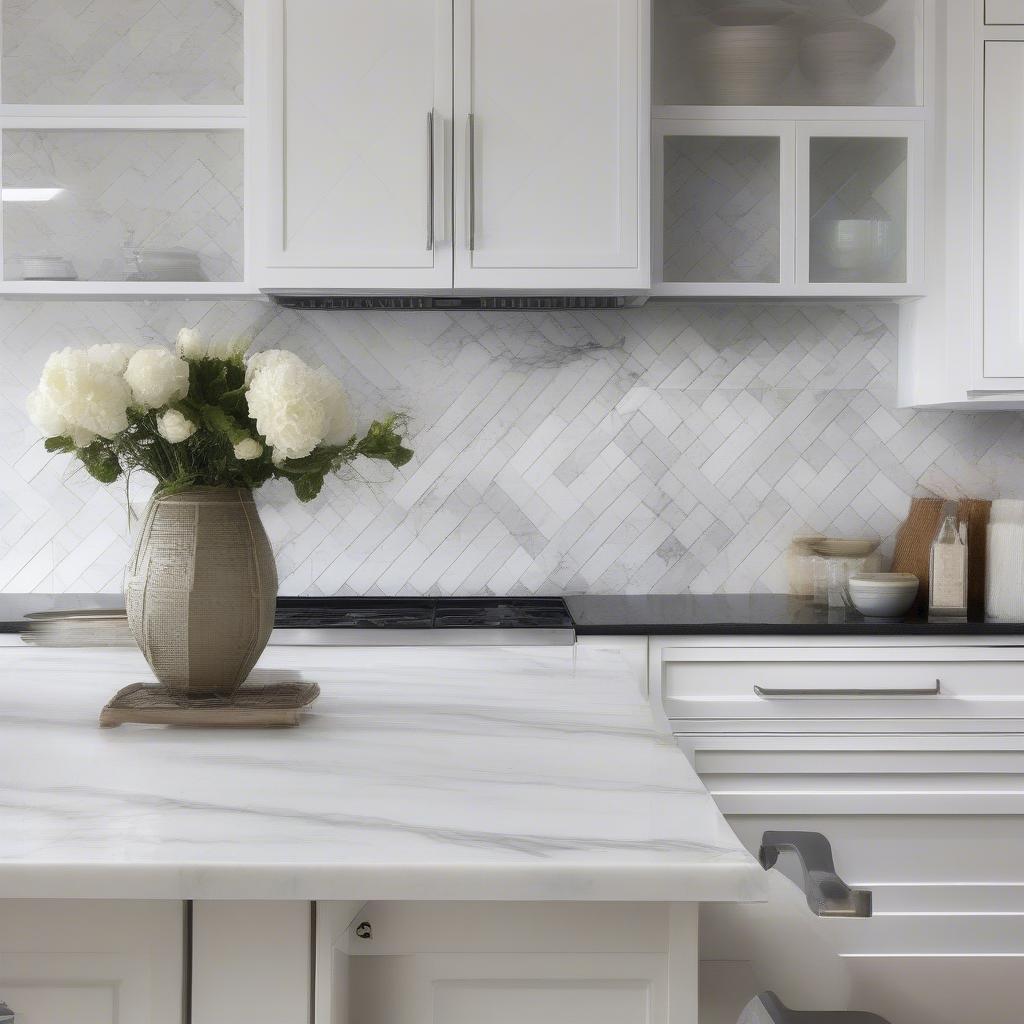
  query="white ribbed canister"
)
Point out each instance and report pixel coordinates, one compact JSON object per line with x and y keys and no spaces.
{"x":1004,"y":566}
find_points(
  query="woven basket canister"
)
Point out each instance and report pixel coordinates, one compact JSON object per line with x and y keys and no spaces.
{"x":201,"y":589}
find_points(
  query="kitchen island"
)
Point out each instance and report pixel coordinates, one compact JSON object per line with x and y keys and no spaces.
{"x":459,"y":820}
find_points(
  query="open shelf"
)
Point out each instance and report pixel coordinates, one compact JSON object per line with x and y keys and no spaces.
{"x":801,"y":53}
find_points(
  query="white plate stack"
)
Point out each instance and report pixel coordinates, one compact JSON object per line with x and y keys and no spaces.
{"x":1004,"y":566}
{"x":165,"y":265}
{"x":45,"y":268}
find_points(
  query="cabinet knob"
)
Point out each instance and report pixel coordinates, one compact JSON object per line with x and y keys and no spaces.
{"x":827,"y":894}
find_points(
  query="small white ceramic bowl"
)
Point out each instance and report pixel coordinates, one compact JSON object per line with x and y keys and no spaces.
{"x":883,"y":595}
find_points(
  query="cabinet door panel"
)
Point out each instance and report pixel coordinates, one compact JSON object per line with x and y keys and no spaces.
{"x":357,"y":174}
{"x":549,"y":170}
{"x":1004,"y":209}
{"x":91,"y":961}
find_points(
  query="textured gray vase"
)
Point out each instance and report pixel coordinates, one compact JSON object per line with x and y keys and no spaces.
{"x":200,"y":590}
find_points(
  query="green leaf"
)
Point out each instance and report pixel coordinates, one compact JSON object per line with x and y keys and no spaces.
{"x":59,"y":444}
{"x":383,"y":441}
{"x":308,"y":486}
{"x":100,"y":463}
{"x":222,"y":422}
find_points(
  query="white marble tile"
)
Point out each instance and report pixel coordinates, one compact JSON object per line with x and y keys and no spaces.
{"x":544,"y":444}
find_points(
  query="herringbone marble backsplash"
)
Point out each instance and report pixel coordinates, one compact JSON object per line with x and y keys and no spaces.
{"x":654,"y":450}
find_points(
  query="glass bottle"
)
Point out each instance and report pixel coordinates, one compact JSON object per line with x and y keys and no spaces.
{"x":947,"y":579}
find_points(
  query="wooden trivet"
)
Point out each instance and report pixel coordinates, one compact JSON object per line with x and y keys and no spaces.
{"x":269,"y":706}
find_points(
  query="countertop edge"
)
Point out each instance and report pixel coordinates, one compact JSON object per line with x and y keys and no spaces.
{"x":713,"y":883}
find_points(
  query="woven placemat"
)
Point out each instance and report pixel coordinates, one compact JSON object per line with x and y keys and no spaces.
{"x":270,"y":706}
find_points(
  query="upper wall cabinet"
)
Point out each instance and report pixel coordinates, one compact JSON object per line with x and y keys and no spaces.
{"x":793,"y":53}
{"x":548,"y":119}
{"x":360,"y":106}
{"x":963,"y":346}
{"x":789,"y":147}
{"x":531,"y":174}
{"x":123,"y":130}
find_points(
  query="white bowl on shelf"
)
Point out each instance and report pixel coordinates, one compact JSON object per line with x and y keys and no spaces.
{"x":858,"y":244}
{"x":745,"y":64}
{"x":883,"y":595}
{"x":842,"y":57}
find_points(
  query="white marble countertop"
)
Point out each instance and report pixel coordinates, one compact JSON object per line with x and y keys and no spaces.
{"x":427,"y":773}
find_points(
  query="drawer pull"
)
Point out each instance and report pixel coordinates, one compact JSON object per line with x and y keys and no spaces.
{"x":778,"y":1013}
{"x":827,"y":894}
{"x":768,"y":692}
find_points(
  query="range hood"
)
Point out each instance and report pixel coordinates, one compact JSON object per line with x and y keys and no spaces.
{"x":293,"y":300}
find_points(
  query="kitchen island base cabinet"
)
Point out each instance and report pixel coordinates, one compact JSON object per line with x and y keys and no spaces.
{"x":92,"y":961}
{"x":509,"y":963}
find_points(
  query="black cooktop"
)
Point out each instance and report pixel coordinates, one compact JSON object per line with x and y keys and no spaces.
{"x":421,"y":613}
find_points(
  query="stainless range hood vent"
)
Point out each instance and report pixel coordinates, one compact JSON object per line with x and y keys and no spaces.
{"x":524,"y":303}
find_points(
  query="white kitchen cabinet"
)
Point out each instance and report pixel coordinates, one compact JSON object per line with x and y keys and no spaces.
{"x":1004,"y":12}
{"x":91,"y":961}
{"x":551,"y":149}
{"x":780,"y":208}
{"x":251,"y":961}
{"x":920,"y":792}
{"x":359,"y":99}
{"x":1003,"y":348}
{"x":962,"y":347}
{"x":532,"y":175}
{"x":460,"y":963}
{"x":125,"y":167}
{"x":697,"y":56}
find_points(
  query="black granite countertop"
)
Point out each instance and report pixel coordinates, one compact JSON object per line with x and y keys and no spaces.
{"x":752,"y":615}
{"x":640,"y":615}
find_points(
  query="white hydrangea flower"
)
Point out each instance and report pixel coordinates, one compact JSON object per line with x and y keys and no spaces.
{"x":175,"y":427}
{"x":45,"y":415}
{"x":113,"y":358}
{"x":229,"y":348}
{"x":190,"y":344}
{"x":79,"y":395}
{"x":248,"y":449}
{"x":157,"y":377}
{"x":272,"y":357}
{"x":287,"y":400}
{"x":341,"y":424}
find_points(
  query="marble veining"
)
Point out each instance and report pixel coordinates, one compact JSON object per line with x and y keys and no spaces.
{"x":657,"y":450}
{"x":451,"y":773}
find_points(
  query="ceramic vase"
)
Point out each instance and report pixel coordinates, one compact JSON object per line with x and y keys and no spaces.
{"x":201,"y":590}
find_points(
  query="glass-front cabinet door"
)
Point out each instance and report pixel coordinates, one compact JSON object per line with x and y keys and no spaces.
{"x":724,"y":195}
{"x":123,"y":131}
{"x":788,"y":208}
{"x":859,"y":193}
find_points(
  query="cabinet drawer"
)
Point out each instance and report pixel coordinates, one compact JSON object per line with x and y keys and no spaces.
{"x":887,"y":774}
{"x":1004,"y":12}
{"x":862,"y":688}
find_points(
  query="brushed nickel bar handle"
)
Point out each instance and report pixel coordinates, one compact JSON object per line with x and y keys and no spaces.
{"x":430,"y":180}
{"x":471,"y":129}
{"x":769,"y":692}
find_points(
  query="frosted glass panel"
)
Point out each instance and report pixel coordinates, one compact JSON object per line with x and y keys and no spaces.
{"x":721,"y":209}
{"x":801,"y":52}
{"x":122,"y":205}
{"x":858,"y":214}
{"x":122,"y":51}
